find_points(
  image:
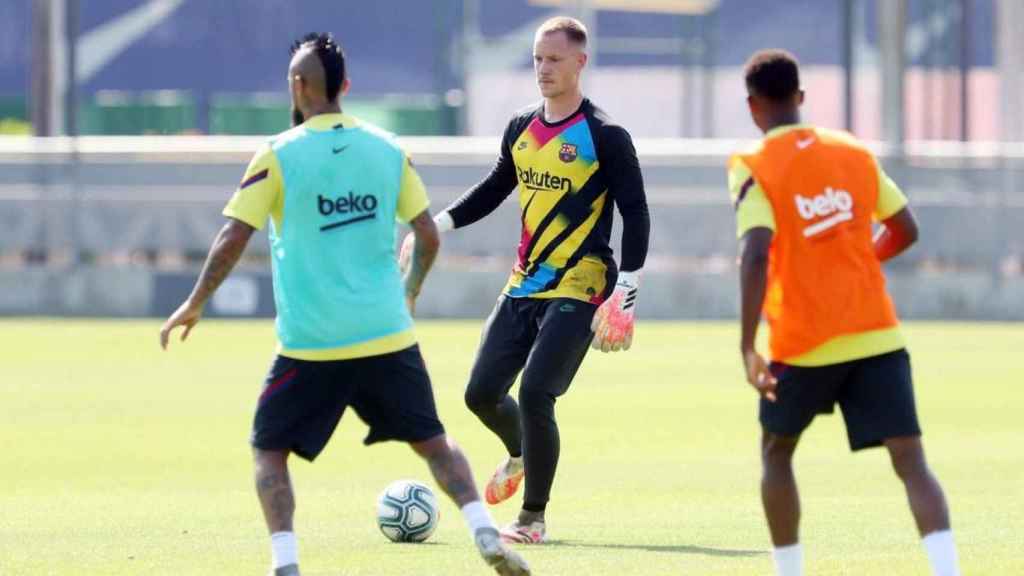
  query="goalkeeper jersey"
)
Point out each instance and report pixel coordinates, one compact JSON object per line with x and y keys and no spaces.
{"x":569,"y":175}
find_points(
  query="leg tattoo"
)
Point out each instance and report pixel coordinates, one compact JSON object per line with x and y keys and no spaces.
{"x":274,"y":488}
{"x":450,"y":468}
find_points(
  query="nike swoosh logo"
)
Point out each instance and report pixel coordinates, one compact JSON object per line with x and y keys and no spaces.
{"x":339,"y":150}
{"x":801,"y":144}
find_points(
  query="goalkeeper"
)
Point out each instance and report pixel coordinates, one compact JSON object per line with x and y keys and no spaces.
{"x":571,"y":164}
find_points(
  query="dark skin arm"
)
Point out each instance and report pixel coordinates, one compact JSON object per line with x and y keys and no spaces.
{"x":897,"y":233}
{"x":415,"y":263}
{"x":224,"y":254}
{"x":754,"y":248}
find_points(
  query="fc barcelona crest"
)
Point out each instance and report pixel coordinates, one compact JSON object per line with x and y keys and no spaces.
{"x":567,"y":153}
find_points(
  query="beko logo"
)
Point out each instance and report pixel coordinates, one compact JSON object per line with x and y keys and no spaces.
{"x":835,"y":205}
{"x":363,"y":207}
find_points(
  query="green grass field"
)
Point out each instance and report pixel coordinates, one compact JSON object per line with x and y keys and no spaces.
{"x":120,"y":459}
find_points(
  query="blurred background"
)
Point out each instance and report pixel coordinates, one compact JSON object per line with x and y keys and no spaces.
{"x":126,"y":124}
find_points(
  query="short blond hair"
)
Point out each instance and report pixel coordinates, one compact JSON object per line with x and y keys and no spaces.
{"x":573,"y":28}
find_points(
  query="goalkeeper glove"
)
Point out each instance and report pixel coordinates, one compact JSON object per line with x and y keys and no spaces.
{"x":613,"y":321}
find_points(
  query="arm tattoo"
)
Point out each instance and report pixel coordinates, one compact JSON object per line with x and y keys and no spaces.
{"x":422,"y":261}
{"x":424,"y":253}
{"x":227,"y":249}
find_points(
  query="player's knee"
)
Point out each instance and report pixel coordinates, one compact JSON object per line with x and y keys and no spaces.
{"x":536,"y":403}
{"x":907,"y":458}
{"x":909,"y":468}
{"x":478,"y":401}
{"x":272,"y":459}
{"x":777,"y":451}
{"x":432,"y":447}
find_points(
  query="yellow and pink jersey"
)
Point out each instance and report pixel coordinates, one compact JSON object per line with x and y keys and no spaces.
{"x":569,"y":174}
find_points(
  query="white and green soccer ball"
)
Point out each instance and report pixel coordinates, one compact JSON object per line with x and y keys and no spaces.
{"x":407,"y":511}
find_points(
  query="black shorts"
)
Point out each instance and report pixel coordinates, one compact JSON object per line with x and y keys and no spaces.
{"x":875,"y":394}
{"x":302,"y":401}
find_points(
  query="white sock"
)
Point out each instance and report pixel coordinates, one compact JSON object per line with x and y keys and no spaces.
{"x":942,"y":553}
{"x":284,"y":549}
{"x":477,"y":516}
{"x":789,"y":560}
{"x":515,"y":463}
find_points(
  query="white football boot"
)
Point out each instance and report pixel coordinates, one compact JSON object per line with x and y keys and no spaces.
{"x":498,"y":556}
{"x":533,"y":533}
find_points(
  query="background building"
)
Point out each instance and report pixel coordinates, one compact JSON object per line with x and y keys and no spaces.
{"x":96,"y":225}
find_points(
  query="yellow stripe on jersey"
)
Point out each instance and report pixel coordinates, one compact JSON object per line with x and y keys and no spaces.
{"x":412,"y":198}
{"x":543,"y":205}
{"x":330,"y":121}
{"x":385,"y":345}
{"x":261,"y":192}
{"x":851,"y":347}
{"x":890,"y":198}
{"x":754,"y":210}
{"x":261,"y":195}
{"x":562,"y":201}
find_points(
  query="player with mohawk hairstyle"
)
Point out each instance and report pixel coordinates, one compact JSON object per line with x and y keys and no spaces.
{"x":332,"y":188}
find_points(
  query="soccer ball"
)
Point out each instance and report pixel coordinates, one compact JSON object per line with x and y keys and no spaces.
{"x":407,"y":511}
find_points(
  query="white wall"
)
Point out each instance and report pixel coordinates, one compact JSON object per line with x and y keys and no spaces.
{"x":650,"y":102}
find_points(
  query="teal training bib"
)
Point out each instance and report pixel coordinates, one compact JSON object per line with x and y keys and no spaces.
{"x":336,"y":277}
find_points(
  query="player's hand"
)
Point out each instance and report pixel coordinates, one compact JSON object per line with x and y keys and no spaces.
{"x":405,"y":254}
{"x":759,"y":374}
{"x":187,"y":315}
{"x":613,"y":321}
{"x":410,"y":302}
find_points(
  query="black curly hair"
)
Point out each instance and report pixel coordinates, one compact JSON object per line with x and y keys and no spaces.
{"x":772,"y":74}
{"x":331,"y":56}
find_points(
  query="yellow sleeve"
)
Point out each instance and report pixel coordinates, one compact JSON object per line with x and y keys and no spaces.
{"x":412,"y":198}
{"x":261,"y":192}
{"x":890,"y":198}
{"x":753,"y":209}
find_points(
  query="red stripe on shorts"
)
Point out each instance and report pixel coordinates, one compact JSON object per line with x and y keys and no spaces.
{"x":276,"y":384}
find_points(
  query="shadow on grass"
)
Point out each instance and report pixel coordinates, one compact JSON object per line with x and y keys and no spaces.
{"x":677,"y":549}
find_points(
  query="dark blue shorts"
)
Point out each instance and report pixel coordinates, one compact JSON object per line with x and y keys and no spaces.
{"x":303,"y":401}
{"x":876,"y":396}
